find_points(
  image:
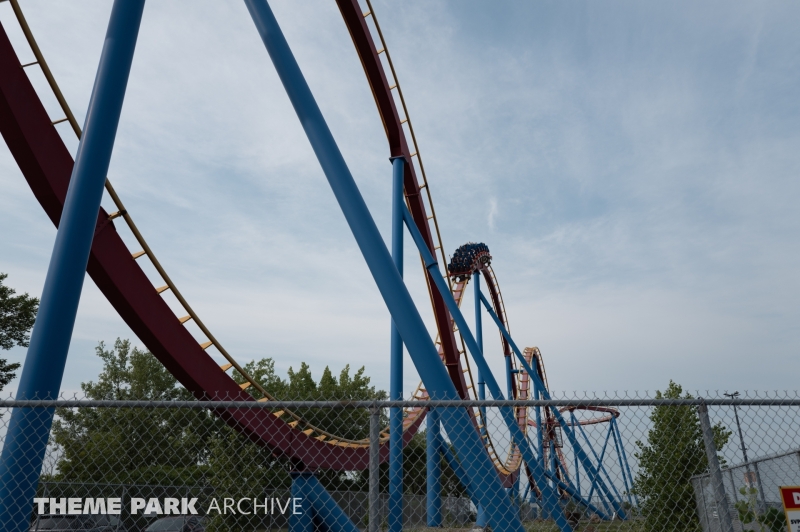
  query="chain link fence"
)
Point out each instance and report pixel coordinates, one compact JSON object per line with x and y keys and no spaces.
{"x":571,"y":463}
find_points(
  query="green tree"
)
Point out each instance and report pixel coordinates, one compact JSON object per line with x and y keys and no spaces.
{"x":239,"y":469}
{"x":127,"y":445}
{"x":349,"y":423}
{"x":182,"y":446}
{"x":415,"y":470}
{"x":17,"y":314}
{"x":772,"y":520}
{"x":674,"y":452}
{"x":264,"y":473}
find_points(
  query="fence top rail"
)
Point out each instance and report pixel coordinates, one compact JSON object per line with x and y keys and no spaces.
{"x":579,"y":403}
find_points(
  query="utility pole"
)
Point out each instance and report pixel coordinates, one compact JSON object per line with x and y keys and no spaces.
{"x":734,"y":395}
{"x":750,"y":480}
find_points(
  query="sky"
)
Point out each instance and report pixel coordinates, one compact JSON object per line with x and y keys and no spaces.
{"x":631,"y":166}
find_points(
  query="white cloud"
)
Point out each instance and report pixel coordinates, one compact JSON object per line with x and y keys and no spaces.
{"x":645,"y":161}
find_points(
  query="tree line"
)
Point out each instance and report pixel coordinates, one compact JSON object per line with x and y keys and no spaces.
{"x":195,"y":448}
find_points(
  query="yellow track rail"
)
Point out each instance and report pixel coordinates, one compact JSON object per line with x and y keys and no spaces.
{"x":123,"y":212}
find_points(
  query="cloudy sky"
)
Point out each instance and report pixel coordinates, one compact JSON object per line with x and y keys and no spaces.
{"x":632,"y":166}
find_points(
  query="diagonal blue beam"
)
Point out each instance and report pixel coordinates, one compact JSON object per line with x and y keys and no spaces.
{"x":584,"y":458}
{"x":577,"y":462}
{"x":548,"y":494}
{"x":29,"y":429}
{"x":599,"y":459}
{"x":481,"y":475}
{"x":621,"y":465}
{"x":602,"y":467}
{"x":624,"y":458}
{"x":326,"y":509}
{"x":396,"y":361}
{"x":572,"y":492}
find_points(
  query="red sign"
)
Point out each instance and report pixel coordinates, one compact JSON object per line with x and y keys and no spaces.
{"x":791,"y":506}
{"x":791,"y":497}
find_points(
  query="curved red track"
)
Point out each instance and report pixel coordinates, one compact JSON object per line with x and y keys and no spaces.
{"x":47,"y":166}
{"x":370,"y":60}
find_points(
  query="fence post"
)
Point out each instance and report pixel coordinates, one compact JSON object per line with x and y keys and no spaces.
{"x":374,"y":468}
{"x":723,"y":511}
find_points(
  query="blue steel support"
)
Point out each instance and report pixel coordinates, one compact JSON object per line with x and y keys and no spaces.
{"x":481,"y":476}
{"x":479,"y":338}
{"x":28,"y":431}
{"x":434,"y":469}
{"x":574,"y":421}
{"x":396,"y":362}
{"x":621,"y":463}
{"x":600,"y":467}
{"x":587,"y":464}
{"x":593,"y":478}
{"x":563,"y":467}
{"x":458,"y":469}
{"x":480,"y":520}
{"x":539,"y":428}
{"x":540,"y":474}
{"x":325,"y":508}
{"x":509,"y":378}
{"x":548,"y":495}
{"x":301,"y":519}
{"x":624,"y":457}
{"x":570,"y":490}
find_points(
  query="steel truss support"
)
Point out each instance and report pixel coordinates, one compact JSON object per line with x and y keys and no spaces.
{"x":480,"y":520}
{"x":313,"y":507}
{"x":549,"y":497}
{"x":480,"y":474}
{"x":599,"y":459}
{"x":396,"y":361}
{"x":300,"y":519}
{"x":623,"y":462}
{"x":577,"y":462}
{"x":587,"y":464}
{"x":28,"y":432}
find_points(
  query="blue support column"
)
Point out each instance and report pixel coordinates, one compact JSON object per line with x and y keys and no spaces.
{"x":480,"y":520}
{"x":396,"y":361}
{"x":574,"y":421}
{"x":539,"y":427}
{"x":621,"y":463}
{"x":509,"y":378}
{"x":301,"y":518}
{"x":600,"y":467}
{"x":434,"y":469}
{"x":549,"y":497}
{"x":29,"y":429}
{"x":480,"y":475}
{"x":624,"y":457}
{"x":476,"y":278}
{"x":587,"y":465}
{"x":325,"y":509}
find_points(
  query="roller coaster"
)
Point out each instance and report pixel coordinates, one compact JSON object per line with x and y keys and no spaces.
{"x":535,"y":459}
